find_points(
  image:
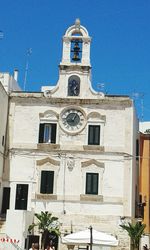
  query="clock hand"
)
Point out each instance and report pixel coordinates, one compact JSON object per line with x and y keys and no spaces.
{"x":74,"y":117}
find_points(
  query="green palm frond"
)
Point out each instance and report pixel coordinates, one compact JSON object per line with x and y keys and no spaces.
{"x":46,"y":223}
{"x":135,"y":231}
{"x":30,"y":228}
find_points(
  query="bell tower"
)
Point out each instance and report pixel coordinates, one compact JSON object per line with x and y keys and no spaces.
{"x":76,"y":46}
{"x":75,"y":68}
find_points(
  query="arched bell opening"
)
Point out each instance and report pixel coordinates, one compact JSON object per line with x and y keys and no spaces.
{"x":76,"y":50}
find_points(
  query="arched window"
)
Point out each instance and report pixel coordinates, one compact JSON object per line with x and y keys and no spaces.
{"x":73,"y":85}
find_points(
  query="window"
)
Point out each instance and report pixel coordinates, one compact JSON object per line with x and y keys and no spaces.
{"x":137,"y":150}
{"x":47,"y":181}
{"x":94,"y":135}
{"x":47,"y":133}
{"x":92,"y":183}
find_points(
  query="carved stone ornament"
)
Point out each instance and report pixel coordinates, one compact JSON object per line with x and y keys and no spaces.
{"x":77,"y":23}
{"x":70,"y":163}
{"x":47,"y":93}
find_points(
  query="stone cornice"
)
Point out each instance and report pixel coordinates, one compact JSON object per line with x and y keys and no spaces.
{"x":32,"y":98}
{"x":96,"y":198}
{"x":59,"y":150}
{"x":80,"y":67}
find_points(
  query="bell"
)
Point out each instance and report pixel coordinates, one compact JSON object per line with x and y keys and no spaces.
{"x":76,"y":56}
{"x":76,"y":46}
{"x":76,"y":51}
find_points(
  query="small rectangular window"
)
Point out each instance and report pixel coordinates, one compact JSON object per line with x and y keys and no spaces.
{"x":47,"y":133}
{"x":3,"y":140}
{"x":92,"y":183}
{"x":47,"y":181}
{"x":94,"y":135}
{"x":137,"y":149}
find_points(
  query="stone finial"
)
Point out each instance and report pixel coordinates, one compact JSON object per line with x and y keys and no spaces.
{"x":77,"y":23}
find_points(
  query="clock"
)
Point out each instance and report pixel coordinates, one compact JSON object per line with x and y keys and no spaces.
{"x":72,"y":120}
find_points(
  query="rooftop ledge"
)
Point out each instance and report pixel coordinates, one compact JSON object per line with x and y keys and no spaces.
{"x":39,"y":96}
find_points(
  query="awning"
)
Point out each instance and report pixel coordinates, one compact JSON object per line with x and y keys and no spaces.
{"x":84,"y":238}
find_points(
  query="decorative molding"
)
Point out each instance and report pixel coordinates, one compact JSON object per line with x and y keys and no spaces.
{"x":49,"y":114}
{"x":46,"y":197}
{"x":47,"y":160}
{"x":96,"y":115}
{"x":48,"y":146}
{"x":90,"y":162}
{"x":94,"y":147}
{"x":47,"y":93}
{"x":88,"y":197}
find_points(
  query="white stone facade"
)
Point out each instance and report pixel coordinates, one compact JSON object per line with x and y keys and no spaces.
{"x":10,"y":82}
{"x":3,"y":124}
{"x":72,"y":157}
{"x":144,"y":127}
{"x":7,"y":85}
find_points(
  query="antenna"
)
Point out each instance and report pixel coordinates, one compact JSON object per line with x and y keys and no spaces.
{"x":140,"y":96}
{"x":100,"y":86}
{"x":29,"y":52}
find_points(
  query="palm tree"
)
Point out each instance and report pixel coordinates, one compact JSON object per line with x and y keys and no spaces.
{"x":46,"y":224}
{"x":135,"y":231}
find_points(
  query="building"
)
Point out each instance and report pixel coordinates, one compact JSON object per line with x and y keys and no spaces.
{"x":144,"y":183}
{"x":7,"y":85}
{"x":3,"y":125}
{"x":71,"y":151}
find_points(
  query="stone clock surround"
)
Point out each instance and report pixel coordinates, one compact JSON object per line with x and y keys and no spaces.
{"x":77,"y":109}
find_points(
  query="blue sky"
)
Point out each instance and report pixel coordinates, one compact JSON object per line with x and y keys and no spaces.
{"x":120,"y":49}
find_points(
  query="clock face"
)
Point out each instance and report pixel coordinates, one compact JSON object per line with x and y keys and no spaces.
{"x":72,"y":120}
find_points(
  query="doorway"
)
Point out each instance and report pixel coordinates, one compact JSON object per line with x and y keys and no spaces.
{"x":5,"y":200}
{"x":21,"y":196}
